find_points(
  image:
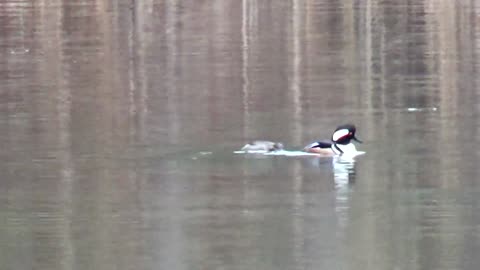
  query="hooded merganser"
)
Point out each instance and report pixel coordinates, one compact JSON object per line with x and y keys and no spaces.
{"x":262,"y":146}
{"x":341,"y":143}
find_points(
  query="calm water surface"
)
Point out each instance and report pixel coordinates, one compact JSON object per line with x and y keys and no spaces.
{"x":119,"y":119}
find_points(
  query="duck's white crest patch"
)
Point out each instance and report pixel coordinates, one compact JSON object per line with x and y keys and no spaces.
{"x":339,"y":134}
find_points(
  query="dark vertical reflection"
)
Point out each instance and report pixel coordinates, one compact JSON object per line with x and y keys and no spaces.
{"x":69,"y":120}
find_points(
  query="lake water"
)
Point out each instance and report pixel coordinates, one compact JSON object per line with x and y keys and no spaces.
{"x":119,"y":120}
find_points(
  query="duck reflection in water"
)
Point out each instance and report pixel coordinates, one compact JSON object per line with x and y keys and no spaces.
{"x":344,"y":169}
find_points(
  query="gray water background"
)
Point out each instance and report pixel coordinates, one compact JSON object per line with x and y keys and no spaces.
{"x":119,"y":118}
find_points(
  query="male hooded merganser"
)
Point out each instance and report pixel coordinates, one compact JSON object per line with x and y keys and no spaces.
{"x":340,"y":144}
{"x":262,"y":146}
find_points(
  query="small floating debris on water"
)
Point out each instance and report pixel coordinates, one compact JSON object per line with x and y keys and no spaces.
{"x":19,"y":51}
{"x":203,"y":153}
{"x":426,"y":109}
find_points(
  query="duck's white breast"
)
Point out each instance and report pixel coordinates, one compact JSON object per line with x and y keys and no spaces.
{"x":348,"y":149}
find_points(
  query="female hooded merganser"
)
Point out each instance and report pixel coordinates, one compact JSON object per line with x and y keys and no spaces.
{"x":262,"y":146}
{"x":340,"y":145}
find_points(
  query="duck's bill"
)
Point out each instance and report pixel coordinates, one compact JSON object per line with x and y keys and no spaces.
{"x":357,"y":140}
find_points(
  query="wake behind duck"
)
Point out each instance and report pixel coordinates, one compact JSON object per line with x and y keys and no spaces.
{"x":339,"y":145}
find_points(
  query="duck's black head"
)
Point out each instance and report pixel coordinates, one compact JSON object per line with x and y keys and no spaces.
{"x":344,"y":134}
